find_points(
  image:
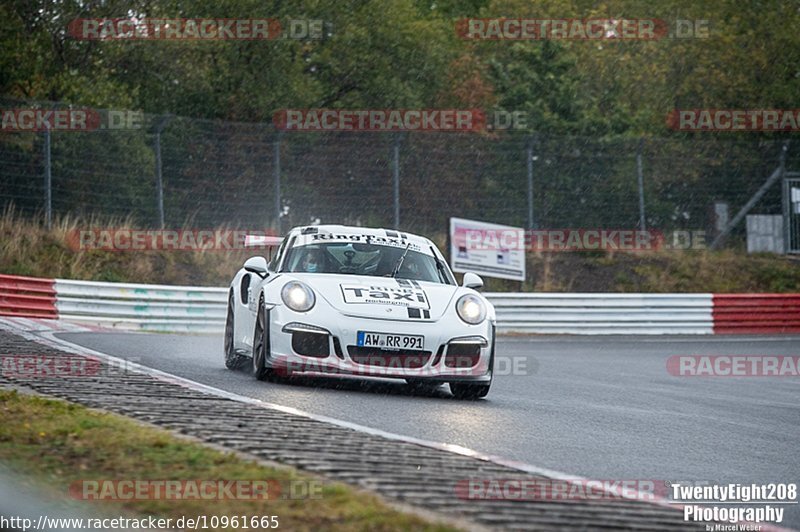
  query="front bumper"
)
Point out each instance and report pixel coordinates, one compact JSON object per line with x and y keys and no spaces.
{"x":316,"y":345}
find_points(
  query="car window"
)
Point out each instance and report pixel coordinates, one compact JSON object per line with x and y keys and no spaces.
{"x":276,"y":258}
{"x":283,"y":252}
{"x":364,"y":259}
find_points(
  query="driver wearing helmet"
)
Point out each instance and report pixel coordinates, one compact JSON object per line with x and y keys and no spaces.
{"x":409,"y":269}
{"x":312,"y":261}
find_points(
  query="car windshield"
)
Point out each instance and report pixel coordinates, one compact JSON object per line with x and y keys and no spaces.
{"x":364,"y":259}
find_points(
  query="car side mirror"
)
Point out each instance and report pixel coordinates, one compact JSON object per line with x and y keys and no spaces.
{"x":256,"y":265}
{"x":472,"y":280}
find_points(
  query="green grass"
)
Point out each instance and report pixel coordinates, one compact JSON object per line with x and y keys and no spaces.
{"x":58,"y":443}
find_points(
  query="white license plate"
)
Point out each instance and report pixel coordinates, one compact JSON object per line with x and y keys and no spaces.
{"x":390,"y":341}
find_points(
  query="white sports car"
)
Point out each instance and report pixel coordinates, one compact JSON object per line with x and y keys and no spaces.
{"x":337,"y":300}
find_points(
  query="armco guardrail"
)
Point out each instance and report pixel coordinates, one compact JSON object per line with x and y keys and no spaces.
{"x":142,"y":306}
{"x":756,"y":313}
{"x":556,"y":313}
{"x":27,"y":297}
{"x":202,"y":309}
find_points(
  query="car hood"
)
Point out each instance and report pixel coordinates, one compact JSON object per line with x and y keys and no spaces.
{"x":381,"y":297}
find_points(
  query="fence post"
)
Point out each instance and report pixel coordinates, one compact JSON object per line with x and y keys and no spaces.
{"x":276,"y":175}
{"x":396,"y":181}
{"x":530,"y":156}
{"x":159,"y":182}
{"x":786,"y":204}
{"x":162,"y":123}
{"x":640,"y":178}
{"x":48,"y":182}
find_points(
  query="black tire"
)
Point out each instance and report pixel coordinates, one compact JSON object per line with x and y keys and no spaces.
{"x":466,"y":390}
{"x":261,"y":347}
{"x":232,"y":360}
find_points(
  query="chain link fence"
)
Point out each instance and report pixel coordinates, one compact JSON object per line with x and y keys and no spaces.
{"x":176,"y":171}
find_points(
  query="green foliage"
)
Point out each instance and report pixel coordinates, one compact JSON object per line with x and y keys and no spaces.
{"x":400,"y":53}
{"x":404,"y":54}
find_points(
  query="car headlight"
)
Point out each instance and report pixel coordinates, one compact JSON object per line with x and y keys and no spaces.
{"x":471,"y":309}
{"x":298,"y":296}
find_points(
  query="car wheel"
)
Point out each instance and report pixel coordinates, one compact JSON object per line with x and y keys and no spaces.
{"x":261,"y":344}
{"x":232,"y":360}
{"x":466,"y":390}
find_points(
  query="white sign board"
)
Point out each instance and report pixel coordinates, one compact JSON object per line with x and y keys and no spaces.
{"x":796,"y":199}
{"x":487,"y":249}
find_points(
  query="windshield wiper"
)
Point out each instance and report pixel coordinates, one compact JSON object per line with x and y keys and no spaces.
{"x":397,"y":266}
{"x":440,"y":269}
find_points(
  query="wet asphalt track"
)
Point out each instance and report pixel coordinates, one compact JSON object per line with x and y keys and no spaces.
{"x":600,"y":407}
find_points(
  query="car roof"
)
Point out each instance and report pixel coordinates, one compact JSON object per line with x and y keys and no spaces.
{"x":352,"y":230}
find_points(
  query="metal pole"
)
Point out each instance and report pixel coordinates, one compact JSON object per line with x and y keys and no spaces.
{"x":48,"y":182}
{"x":158,"y":128}
{"x":787,"y":214}
{"x":640,"y":177}
{"x":752,"y":201}
{"x":159,"y":181}
{"x":531,"y":223}
{"x":276,"y":168}
{"x":396,"y":182}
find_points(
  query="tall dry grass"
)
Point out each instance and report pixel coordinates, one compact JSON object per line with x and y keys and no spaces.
{"x":27,"y":248}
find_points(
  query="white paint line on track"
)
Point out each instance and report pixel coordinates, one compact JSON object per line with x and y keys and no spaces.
{"x":47,"y":337}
